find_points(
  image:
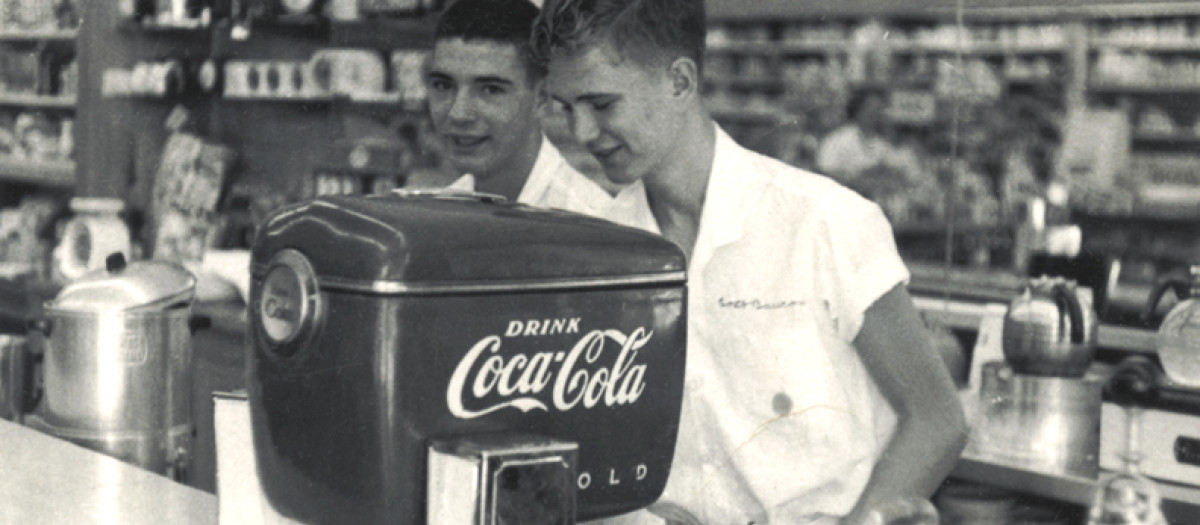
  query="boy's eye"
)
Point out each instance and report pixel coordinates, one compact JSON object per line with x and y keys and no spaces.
{"x":602,"y":105}
{"x":493,"y":90}
{"x":439,"y":84}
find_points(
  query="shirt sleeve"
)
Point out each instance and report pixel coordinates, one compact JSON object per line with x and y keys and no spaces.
{"x":860,"y":262}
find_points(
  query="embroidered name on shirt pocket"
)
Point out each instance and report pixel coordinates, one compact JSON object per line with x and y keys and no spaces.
{"x":753,"y":334}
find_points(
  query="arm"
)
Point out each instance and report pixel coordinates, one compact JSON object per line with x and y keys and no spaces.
{"x":931,"y":429}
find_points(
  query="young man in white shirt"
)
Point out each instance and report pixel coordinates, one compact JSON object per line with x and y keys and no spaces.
{"x":484,"y":94}
{"x":813,"y":392}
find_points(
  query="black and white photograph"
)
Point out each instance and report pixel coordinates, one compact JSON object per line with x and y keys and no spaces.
{"x":599,"y":262}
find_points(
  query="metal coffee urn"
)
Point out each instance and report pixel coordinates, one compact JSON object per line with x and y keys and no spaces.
{"x":432,"y":357}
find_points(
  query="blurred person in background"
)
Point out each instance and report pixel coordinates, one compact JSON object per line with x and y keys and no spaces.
{"x":864,"y":153}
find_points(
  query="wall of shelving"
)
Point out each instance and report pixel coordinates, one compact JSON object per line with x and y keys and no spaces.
{"x":778,"y":76}
{"x":38,"y":74}
{"x":288,"y":146}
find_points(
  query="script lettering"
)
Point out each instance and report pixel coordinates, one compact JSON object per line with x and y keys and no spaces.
{"x":518,"y":378}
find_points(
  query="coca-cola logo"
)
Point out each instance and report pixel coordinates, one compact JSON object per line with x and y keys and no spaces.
{"x":563,"y":379}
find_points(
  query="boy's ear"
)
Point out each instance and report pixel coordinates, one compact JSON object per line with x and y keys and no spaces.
{"x":541,"y":97}
{"x":685,"y":77}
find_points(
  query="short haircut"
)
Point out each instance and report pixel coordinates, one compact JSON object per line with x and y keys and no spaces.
{"x":499,"y":21}
{"x":648,"y":31}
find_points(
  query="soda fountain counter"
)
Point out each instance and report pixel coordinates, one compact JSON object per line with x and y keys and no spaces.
{"x":973,"y":303}
{"x":49,"y":481}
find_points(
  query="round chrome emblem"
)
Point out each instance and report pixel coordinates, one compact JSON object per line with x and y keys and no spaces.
{"x":289,"y":303}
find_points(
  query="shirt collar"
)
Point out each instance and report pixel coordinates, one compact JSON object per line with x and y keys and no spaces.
{"x":733,"y":179}
{"x":542,"y":174}
{"x":464,"y":183}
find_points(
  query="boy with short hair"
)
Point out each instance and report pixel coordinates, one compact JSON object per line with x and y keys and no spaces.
{"x":813,"y":392}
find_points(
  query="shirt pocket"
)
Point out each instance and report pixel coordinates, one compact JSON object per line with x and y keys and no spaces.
{"x":788,"y":426}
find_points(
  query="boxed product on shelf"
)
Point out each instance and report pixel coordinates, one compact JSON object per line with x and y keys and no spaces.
{"x":32,"y":15}
{"x":19,"y":70}
{"x":1166,"y":168}
{"x":23,"y":250}
{"x":35,"y":136}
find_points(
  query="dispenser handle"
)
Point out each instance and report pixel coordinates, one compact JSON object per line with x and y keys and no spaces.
{"x":1066,"y":299}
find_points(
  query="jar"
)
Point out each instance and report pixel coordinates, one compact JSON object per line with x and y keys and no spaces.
{"x":94,"y":232}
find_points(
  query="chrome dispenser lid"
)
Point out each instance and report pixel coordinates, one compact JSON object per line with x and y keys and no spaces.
{"x":122,"y":286}
{"x":434,"y":242}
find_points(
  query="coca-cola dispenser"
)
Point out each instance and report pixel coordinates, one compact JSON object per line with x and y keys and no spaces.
{"x":459,"y":358}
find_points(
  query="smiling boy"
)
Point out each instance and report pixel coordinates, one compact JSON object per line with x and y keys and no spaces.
{"x":484,"y":96}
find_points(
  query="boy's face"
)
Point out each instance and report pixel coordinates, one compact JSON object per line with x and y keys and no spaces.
{"x":619,"y":109}
{"x":482,"y":103}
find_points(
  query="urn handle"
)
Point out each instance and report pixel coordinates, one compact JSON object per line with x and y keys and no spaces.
{"x":1068,"y":301}
{"x":1181,"y":287}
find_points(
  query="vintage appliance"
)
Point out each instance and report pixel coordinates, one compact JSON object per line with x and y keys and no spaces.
{"x":432,"y":357}
{"x":1040,"y":407}
{"x":1165,"y":394}
{"x":1169,"y":414}
{"x":117,"y":364}
{"x":1050,"y":330}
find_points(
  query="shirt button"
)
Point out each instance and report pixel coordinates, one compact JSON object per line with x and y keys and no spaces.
{"x":782,"y":404}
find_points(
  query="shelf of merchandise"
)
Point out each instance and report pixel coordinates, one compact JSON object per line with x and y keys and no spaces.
{"x":785,"y":48}
{"x":1130,"y":88}
{"x":751,"y":116}
{"x":1186,"y":138}
{"x":58,"y":174}
{"x":771,"y":49}
{"x":959,"y":298}
{"x":1180,"y":503}
{"x":1185,"y":46}
{"x":965,"y":314}
{"x":60,"y":35}
{"x":37,"y":101}
{"x":983,"y":48}
{"x":55,"y":174}
{"x":744,"y":82}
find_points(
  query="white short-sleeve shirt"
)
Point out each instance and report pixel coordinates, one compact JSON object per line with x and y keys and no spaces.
{"x":554,"y":183}
{"x":781,"y":421}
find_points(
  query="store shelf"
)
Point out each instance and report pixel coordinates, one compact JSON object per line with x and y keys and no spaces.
{"x":1188,"y":46}
{"x":1181,"y":503}
{"x":1187,"y":138}
{"x":37,"y":101}
{"x":1141,"y":212}
{"x":744,"y":82}
{"x":750,"y":116}
{"x":1145,"y":89}
{"x":983,"y":48}
{"x":377,"y":32}
{"x":58,"y":174}
{"x":837,"y":46}
{"x":754,"y":48}
{"x":965,"y":314}
{"x":62,"y":35}
{"x":813,"y":47}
